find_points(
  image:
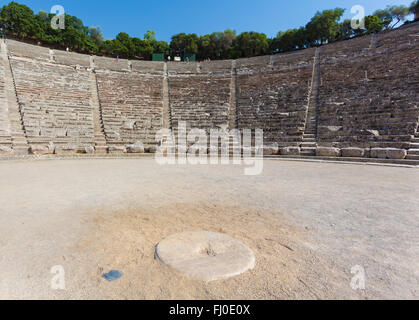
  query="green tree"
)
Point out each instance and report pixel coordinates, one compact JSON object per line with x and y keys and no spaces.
{"x":289,"y":40}
{"x":345,"y":30}
{"x":150,"y":35}
{"x":392,"y":13}
{"x":216,"y":45}
{"x":43,"y":15}
{"x":162,"y":47}
{"x":251,"y":44}
{"x":125,"y":45}
{"x":324,"y":26}
{"x":95,"y":33}
{"x":184,"y":43}
{"x":373,"y":24}
{"x":75,"y":35}
{"x":19,"y":19}
{"x":398,"y":13}
{"x":385,"y":16}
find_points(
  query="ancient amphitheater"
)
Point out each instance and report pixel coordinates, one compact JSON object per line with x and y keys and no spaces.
{"x":75,"y":194}
{"x":356,"y":98}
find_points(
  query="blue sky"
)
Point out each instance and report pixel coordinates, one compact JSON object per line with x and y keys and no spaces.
{"x":168,"y":17}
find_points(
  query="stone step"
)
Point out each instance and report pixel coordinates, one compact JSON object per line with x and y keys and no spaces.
{"x":414,"y":146}
{"x":412,"y":157}
{"x":306,"y":144}
{"x":413,"y":152}
{"x":308,"y":151}
{"x":100,"y":144}
{"x":101,"y":149}
{"x":21,"y":150}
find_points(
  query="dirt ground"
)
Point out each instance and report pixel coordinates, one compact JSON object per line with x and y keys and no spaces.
{"x":307,"y":223}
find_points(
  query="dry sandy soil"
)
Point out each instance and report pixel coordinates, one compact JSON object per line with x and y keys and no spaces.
{"x":308,"y":224}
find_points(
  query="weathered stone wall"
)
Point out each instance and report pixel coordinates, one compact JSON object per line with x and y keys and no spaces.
{"x":148,"y":67}
{"x":132,"y":106}
{"x":21,"y":49}
{"x":216,"y":67}
{"x":175,"y":68}
{"x":55,"y":103}
{"x":104,"y":63}
{"x":71,"y":58}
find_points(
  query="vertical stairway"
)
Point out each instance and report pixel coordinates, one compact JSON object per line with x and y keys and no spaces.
{"x":309,"y":145}
{"x":374,"y":41}
{"x":413,"y":152}
{"x":98,"y":126}
{"x":235,"y":143}
{"x":166,"y":104}
{"x":233,"y":97}
{"x":20,"y":144}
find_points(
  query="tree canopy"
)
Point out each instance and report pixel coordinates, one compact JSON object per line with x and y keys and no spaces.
{"x":324,"y":26}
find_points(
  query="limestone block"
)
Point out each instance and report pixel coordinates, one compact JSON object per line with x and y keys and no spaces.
{"x":371,"y":132}
{"x":137,"y":147}
{"x":117,"y":149}
{"x":353,"y":152}
{"x":379,"y":153}
{"x":290,"y":151}
{"x":328,"y":152}
{"x":89,"y":150}
{"x":101,"y":149}
{"x":5,"y":150}
{"x":63,"y":150}
{"x":270,"y":150}
{"x":81,"y":150}
{"x":151,"y":149}
{"x":40,"y":150}
{"x":393,"y":153}
{"x":334,"y":128}
{"x":129,"y":125}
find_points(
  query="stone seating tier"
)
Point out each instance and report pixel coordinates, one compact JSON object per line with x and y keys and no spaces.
{"x":203,"y":102}
{"x":132,"y":106}
{"x":276,"y":102}
{"x":55,"y":103}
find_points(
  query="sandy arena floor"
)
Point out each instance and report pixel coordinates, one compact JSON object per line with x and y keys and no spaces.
{"x":307,"y":223}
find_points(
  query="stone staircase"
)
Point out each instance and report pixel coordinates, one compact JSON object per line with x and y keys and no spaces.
{"x":233,"y":118}
{"x":374,"y":41}
{"x":167,"y":121}
{"x":20,"y":144}
{"x":99,"y":131}
{"x":413,"y":152}
{"x":309,"y":145}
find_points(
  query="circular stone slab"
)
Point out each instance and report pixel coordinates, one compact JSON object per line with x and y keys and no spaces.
{"x":205,"y":255}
